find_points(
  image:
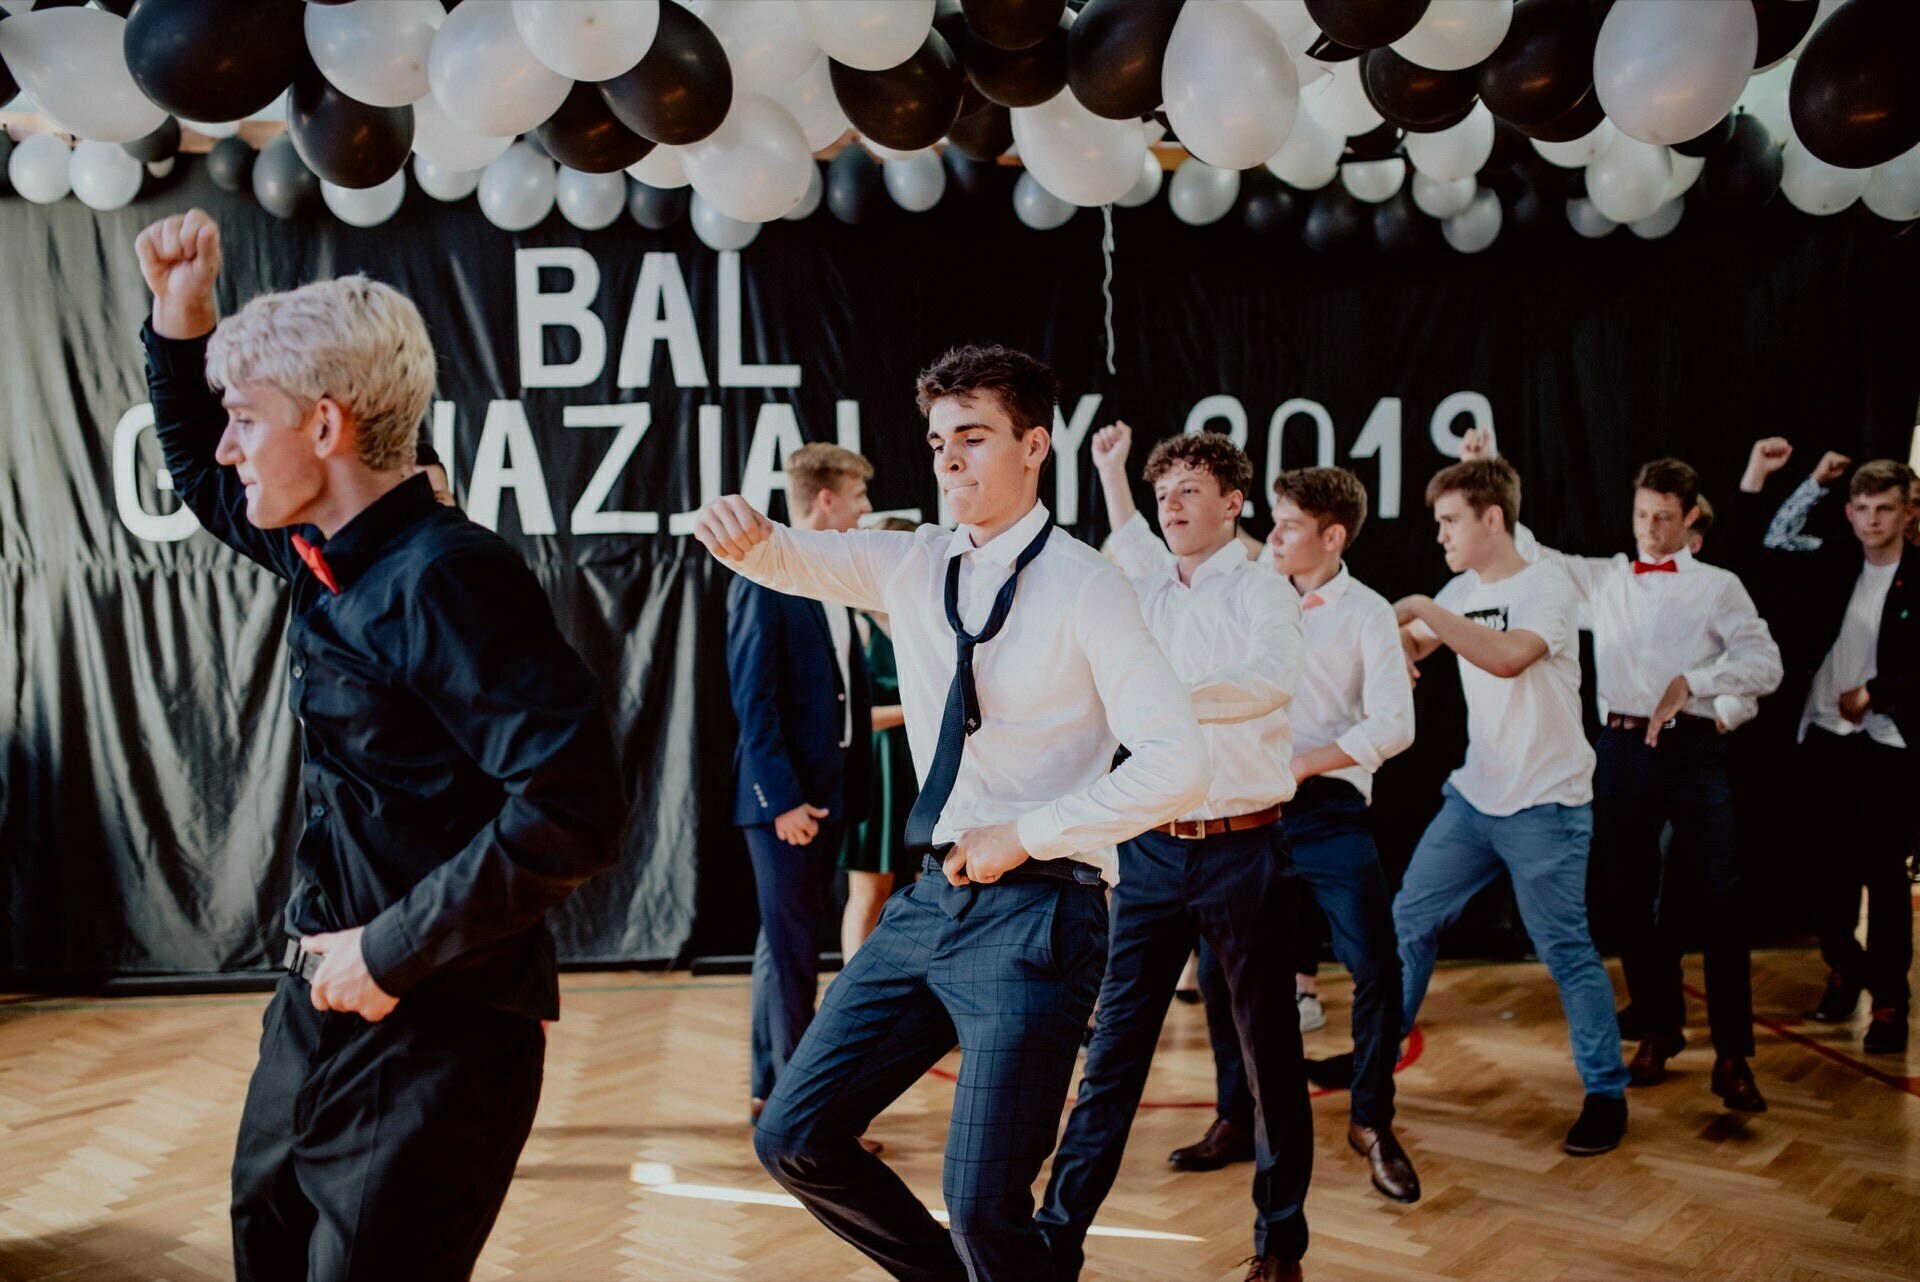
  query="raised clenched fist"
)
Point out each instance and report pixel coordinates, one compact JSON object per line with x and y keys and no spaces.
{"x":729,"y":528}
{"x":1111,"y":445}
{"x":180,"y":258}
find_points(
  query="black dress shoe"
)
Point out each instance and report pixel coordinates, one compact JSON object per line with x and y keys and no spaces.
{"x":1187,"y":996}
{"x":1602,"y":1125}
{"x":1391,"y":1168}
{"x":1629,"y":1021}
{"x":1838,"y":1003}
{"x":1271,"y":1268}
{"x":1223,"y":1144}
{"x":1886,"y":1034}
{"x":1649,"y":1063}
{"x":1733,"y":1082}
{"x":1333,"y":1073}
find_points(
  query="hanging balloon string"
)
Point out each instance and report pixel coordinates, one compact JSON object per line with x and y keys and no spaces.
{"x":1106,"y":282}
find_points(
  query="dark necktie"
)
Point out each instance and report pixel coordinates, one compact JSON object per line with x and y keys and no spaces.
{"x":962,"y":716}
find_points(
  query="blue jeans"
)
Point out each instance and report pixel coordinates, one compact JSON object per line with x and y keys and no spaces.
{"x":1544,"y":849}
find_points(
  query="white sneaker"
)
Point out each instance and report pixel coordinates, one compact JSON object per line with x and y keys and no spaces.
{"x":1313,"y":1016}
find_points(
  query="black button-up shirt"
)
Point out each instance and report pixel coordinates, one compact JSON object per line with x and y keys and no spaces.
{"x":458,"y":767}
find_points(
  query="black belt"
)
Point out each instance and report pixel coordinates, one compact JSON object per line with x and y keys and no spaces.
{"x":298,"y":962}
{"x":1684,"y":721}
{"x":1072,"y":870}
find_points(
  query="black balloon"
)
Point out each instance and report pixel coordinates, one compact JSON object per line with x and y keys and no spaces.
{"x":1398,"y":225}
{"x":1544,"y":66}
{"x":1412,"y":96}
{"x":215,"y":59}
{"x":1268,"y":205}
{"x":681,"y":91}
{"x":1326,"y":50}
{"x":343,"y":140}
{"x":6,"y":152}
{"x":1782,"y":23}
{"x":282,"y":183}
{"x":1378,"y":143}
{"x":1581,"y":120}
{"x":1335,"y":221}
{"x":855,"y":190}
{"x":230,"y":163}
{"x":1855,"y":95}
{"x":1115,"y":53}
{"x":1510,"y":147}
{"x":1533,"y":211}
{"x":1746,"y":172}
{"x":1366,"y":24}
{"x":584,"y":134}
{"x":950,"y":20}
{"x":983,"y":134}
{"x":974,"y":177}
{"x":1709,"y":142}
{"x":657,"y":208}
{"x":162,"y":144}
{"x":905,"y":107}
{"x":1019,"y":78}
{"x":1013,"y":24}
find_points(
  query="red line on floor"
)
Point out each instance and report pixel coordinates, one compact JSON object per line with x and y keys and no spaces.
{"x":1911,"y":1085}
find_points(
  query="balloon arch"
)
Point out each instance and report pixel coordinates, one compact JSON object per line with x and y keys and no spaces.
{"x":1352,"y":121}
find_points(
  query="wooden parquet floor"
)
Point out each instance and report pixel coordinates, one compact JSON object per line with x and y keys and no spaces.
{"x":117,"y":1119}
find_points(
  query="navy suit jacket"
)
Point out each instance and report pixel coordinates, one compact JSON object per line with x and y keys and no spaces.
{"x":789,"y":701}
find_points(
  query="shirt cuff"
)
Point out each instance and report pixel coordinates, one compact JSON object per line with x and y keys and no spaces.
{"x":1701,"y":682}
{"x":392,"y":960}
{"x":1040,"y":835}
{"x":1357,"y":745}
{"x":1133,"y":546}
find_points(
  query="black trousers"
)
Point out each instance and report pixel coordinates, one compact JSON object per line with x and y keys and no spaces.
{"x":1653,"y":904}
{"x":794,"y":885}
{"x":1862,"y":793}
{"x":379,"y":1151}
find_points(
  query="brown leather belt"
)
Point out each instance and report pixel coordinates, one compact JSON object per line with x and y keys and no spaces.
{"x":1200,"y":829}
{"x":1617,"y":722}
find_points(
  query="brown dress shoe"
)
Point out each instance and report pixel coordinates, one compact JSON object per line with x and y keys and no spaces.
{"x":1223,"y":1144}
{"x":1271,"y":1268}
{"x":1733,"y":1082}
{"x":1650,"y":1061}
{"x":1391,"y":1168}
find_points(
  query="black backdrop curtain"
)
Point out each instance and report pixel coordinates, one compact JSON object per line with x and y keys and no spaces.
{"x":149,"y":813}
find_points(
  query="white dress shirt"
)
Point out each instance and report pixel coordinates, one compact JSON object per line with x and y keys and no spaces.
{"x":840,"y":628}
{"x":1072,"y":676}
{"x":1695,"y":622}
{"x":1853,"y":661}
{"x":1233,"y":635}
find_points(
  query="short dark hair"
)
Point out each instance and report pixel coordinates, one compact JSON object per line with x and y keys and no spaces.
{"x":1880,"y":475}
{"x":1703,"y":520}
{"x":1483,"y":483}
{"x":1330,"y":495}
{"x":1670,"y":476}
{"x":1026,"y":389}
{"x":820,"y":465}
{"x":1211,"y":452}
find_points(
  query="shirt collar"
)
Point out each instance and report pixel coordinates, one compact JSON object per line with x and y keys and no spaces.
{"x":1682,"y":560}
{"x":1005,"y":547}
{"x":360,"y":541}
{"x":1333,"y":589}
{"x":1227,"y":560}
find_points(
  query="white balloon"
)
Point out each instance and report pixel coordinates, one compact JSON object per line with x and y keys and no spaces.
{"x":70,"y":61}
{"x":1374,"y":181}
{"x":1310,"y":156}
{"x":1660,"y":221}
{"x":1443,"y":197}
{"x":1893,"y":192}
{"x":103,"y":175}
{"x":1765,"y":97}
{"x":1581,"y":151}
{"x":41,"y":168}
{"x":1476,"y":228}
{"x":810,"y":98}
{"x":1631,"y":179}
{"x":1290,"y":21}
{"x":816,"y":188}
{"x":444,"y":184}
{"x":590,"y":201}
{"x":1340,"y":101}
{"x":1812,"y":186}
{"x":717,"y":231}
{"x":375,"y":51}
{"x":883,"y":153}
{"x":1230,"y":89}
{"x":1037,"y":207}
{"x":871,"y":35}
{"x":756,"y":165}
{"x":517,"y":191}
{"x":1587,"y":220}
{"x":766,"y":42}
{"x":1457,"y":151}
{"x":1667,"y":72}
{"x":917,"y":183}
{"x":1455,"y":34}
{"x":1152,"y":175}
{"x":484,"y":75}
{"x":453,"y":147}
{"x":366,"y":206}
{"x":275,"y":110}
{"x":587,"y":39}
{"x":1686,"y":172}
{"x":211,"y":128}
{"x":1077,"y":155}
{"x":161,"y":168}
{"x":1201,"y":194}
{"x":660,"y":168}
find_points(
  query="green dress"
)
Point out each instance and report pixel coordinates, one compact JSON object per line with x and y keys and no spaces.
{"x":880,"y":842}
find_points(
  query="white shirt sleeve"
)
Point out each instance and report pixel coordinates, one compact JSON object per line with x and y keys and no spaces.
{"x":1166,"y":773}
{"x":1448,"y":598}
{"x":1549,"y":609}
{"x":1138,"y":551}
{"x":1266,"y":682}
{"x":1386,"y":695}
{"x":851,"y":568}
{"x":1749,"y":661}
{"x":1584,"y":572}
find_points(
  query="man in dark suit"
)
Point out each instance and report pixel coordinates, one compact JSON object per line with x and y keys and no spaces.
{"x":1848,"y":621}
{"x":801,"y":768}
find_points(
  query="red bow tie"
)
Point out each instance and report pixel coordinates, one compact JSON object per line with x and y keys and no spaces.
{"x":315,"y":562}
{"x":1655,"y":567}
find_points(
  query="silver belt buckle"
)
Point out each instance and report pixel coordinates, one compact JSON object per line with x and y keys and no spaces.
{"x":1189,"y":829}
